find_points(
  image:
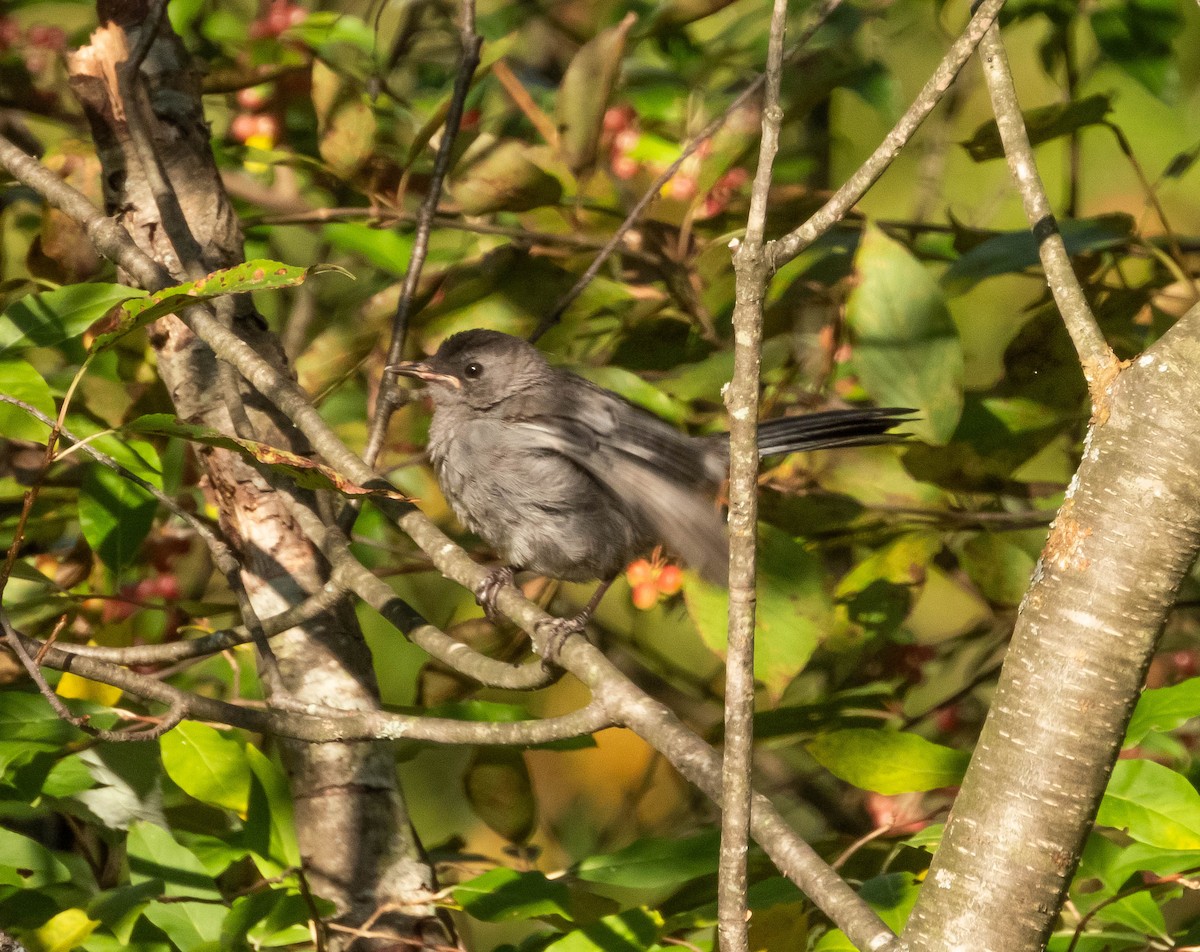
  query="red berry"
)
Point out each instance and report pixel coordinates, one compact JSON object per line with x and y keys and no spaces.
{"x":645,"y":596}
{"x":623,"y":167}
{"x":243,"y":126}
{"x":639,"y":573}
{"x":681,"y":187}
{"x":670,"y":579}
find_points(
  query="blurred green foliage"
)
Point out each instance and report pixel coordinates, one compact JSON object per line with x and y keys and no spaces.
{"x":891,"y":575}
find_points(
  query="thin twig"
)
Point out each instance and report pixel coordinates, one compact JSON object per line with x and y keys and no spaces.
{"x":1100,"y":365}
{"x":472,"y":42}
{"x":733,"y":913}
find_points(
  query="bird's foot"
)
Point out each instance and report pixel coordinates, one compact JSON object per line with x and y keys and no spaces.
{"x":489,"y":590}
{"x":556,"y":631}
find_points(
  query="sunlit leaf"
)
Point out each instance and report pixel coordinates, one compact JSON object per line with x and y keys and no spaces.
{"x":1163,"y":709}
{"x":303,"y":471}
{"x":207,"y":765}
{"x":50,"y":317}
{"x":1153,"y":805}
{"x":888,"y":762}
{"x":259,"y":275}
{"x":906,"y":348}
{"x":22,"y":382}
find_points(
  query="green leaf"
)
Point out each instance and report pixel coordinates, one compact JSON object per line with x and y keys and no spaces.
{"x":888,"y":762}
{"x":1153,"y":805}
{"x":1163,"y":709}
{"x":634,"y":930}
{"x":154,"y":855}
{"x":258,"y":275}
{"x":1013,"y":252}
{"x":191,"y":926}
{"x":502,"y":894}
{"x":877,"y":594}
{"x":1137,"y":35}
{"x":500,"y":792}
{"x":48,"y":318}
{"x":792,"y":612}
{"x":586,"y":88}
{"x":28,"y":717}
{"x":1043,"y":124}
{"x":386,"y":248}
{"x":27,"y":864}
{"x":892,"y":896}
{"x":999,"y":567}
{"x":270,"y":822}
{"x":207,"y":765}
{"x":303,"y":471}
{"x":654,"y":862}
{"x":637,"y":391}
{"x":906,"y":349}
{"x":21,"y":381}
{"x":115,"y":515}
{"x":508,"y":177}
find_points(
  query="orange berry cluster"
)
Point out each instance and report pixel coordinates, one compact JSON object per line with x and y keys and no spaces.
{"x":652,"y":579}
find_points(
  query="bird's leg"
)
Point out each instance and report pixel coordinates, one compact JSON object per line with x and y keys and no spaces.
{"x":489,"y":590}
{"x":557,"y":630}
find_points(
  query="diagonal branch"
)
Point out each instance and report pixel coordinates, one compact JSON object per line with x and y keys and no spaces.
{"x":1100,"y":365}
{"x":783,"y":250}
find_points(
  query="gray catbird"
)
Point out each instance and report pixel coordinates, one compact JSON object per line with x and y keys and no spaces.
{"x":570,"y":481}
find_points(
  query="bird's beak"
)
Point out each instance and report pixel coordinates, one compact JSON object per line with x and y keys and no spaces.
{"x":422,"y":371}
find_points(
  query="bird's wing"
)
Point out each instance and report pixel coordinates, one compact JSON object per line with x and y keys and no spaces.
{"x":666,"y":478}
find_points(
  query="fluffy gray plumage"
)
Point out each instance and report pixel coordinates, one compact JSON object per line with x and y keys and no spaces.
{"x":568,"y":480}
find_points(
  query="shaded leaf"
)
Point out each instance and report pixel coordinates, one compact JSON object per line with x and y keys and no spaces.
{"x":500,"y":792}
{"x":115,"y":515}
{"x":506,"y":178}
{"x":654,"y":862}
{"x":585,"y":92}
{"x":1043,"y":124}
{"x":1013,"y":252}
{"x":1137,"y":36}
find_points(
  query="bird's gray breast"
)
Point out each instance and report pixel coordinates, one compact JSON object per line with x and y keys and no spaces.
{"x":536,"y":507}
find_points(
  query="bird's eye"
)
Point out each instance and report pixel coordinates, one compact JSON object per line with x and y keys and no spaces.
{"x":473,"y":370}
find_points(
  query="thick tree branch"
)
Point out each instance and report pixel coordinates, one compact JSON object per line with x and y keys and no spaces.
{"x":1107,"y":579}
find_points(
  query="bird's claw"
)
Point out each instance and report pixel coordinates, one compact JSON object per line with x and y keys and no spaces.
{"x":556,"y":631}
{"x":489,"y":590}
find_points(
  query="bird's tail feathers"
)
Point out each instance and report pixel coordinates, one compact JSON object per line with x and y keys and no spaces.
{"x":830,"y":429}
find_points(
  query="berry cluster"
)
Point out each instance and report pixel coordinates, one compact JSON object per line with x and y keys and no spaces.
{"x":652,"y":579}
{"x":623,"y":134}
{"x":279,"y":17}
